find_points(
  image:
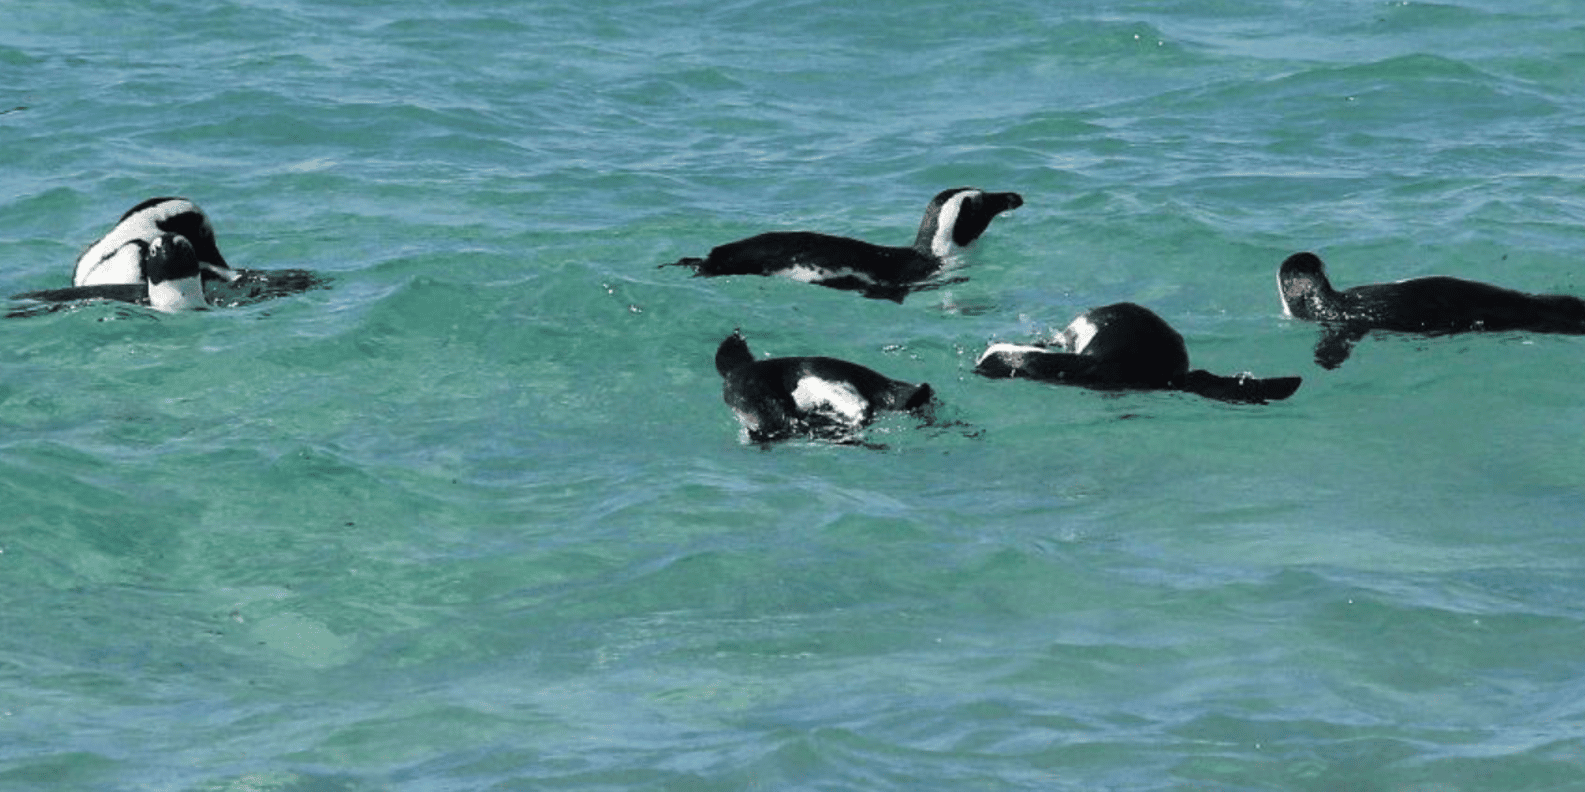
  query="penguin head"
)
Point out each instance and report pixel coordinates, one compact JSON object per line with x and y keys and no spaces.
{"x":174,"y":275}
{"x":732,"y":354}
{"x":957,"y":217}
{"x":183,"y":217}
{"x":1303,"y":286}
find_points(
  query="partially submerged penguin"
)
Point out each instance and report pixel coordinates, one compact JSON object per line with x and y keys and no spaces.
{"x":115,"y":266}
{"x":953,"y":220}
{"x":1436,"y":305}
{"x":1124,"y":347}
{"x":815,"y":397}
{"x":170,"y":279}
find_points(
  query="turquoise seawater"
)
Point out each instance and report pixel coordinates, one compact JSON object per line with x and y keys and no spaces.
{"x":476,"y":518}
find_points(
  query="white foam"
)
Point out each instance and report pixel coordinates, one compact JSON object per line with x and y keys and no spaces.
{"x":1013,"y":349}
{"x":748,"y":420}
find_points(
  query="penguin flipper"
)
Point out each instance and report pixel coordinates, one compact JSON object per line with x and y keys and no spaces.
{"x":121,"y":292}
{"x":1041,"y":364}
{"x":1240,"y":389}
{"x":686,"y":261}
{"x":1336,"y":344}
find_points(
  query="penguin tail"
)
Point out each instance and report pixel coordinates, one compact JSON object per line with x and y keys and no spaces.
{"x":920,"y":398}
{"x":1242,"y":389}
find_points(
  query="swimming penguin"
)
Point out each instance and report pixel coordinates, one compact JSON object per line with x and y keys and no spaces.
{"x":116,"y":257}
{"x":170,"y":279}
{"x":953,"y":220}
{"x":1124,"y":347}
{"x":817,"y":397}
{"x":1435,"y":305}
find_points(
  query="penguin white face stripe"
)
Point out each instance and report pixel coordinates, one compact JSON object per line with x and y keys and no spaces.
{"x":1080,"y":333}
{"x":941,"y":245}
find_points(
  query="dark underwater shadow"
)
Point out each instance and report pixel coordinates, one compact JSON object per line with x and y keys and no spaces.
{"x":930,"y":421}
{"x":256,"y":286}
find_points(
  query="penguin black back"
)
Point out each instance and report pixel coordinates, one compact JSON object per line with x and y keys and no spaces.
{"x":111,"y":260}
{"x":1124,"y":346}
{"x":818,"y":397}
{"x":1435,"y":305}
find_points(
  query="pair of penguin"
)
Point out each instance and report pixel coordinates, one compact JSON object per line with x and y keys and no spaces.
{"x":1123,"y":346}
{"x":162,"y":253}
{"x":158,"y":254}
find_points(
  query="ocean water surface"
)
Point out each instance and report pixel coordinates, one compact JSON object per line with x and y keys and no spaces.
{"x":475,"y":516}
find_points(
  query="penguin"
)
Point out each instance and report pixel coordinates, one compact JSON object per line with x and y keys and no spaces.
{"x":952,"y":221}
{"x":1436,"y":305}
{"x":815,"y":397}
{"x":170,"y":279}
{"x":1124,"y":346}
{"x":115,"y":257}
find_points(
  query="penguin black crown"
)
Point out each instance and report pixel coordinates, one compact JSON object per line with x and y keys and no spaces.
{"x":952,"y":221}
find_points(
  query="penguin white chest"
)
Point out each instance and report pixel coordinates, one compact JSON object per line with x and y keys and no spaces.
{"x":838,"y":399}
{"x":181,"y":294}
